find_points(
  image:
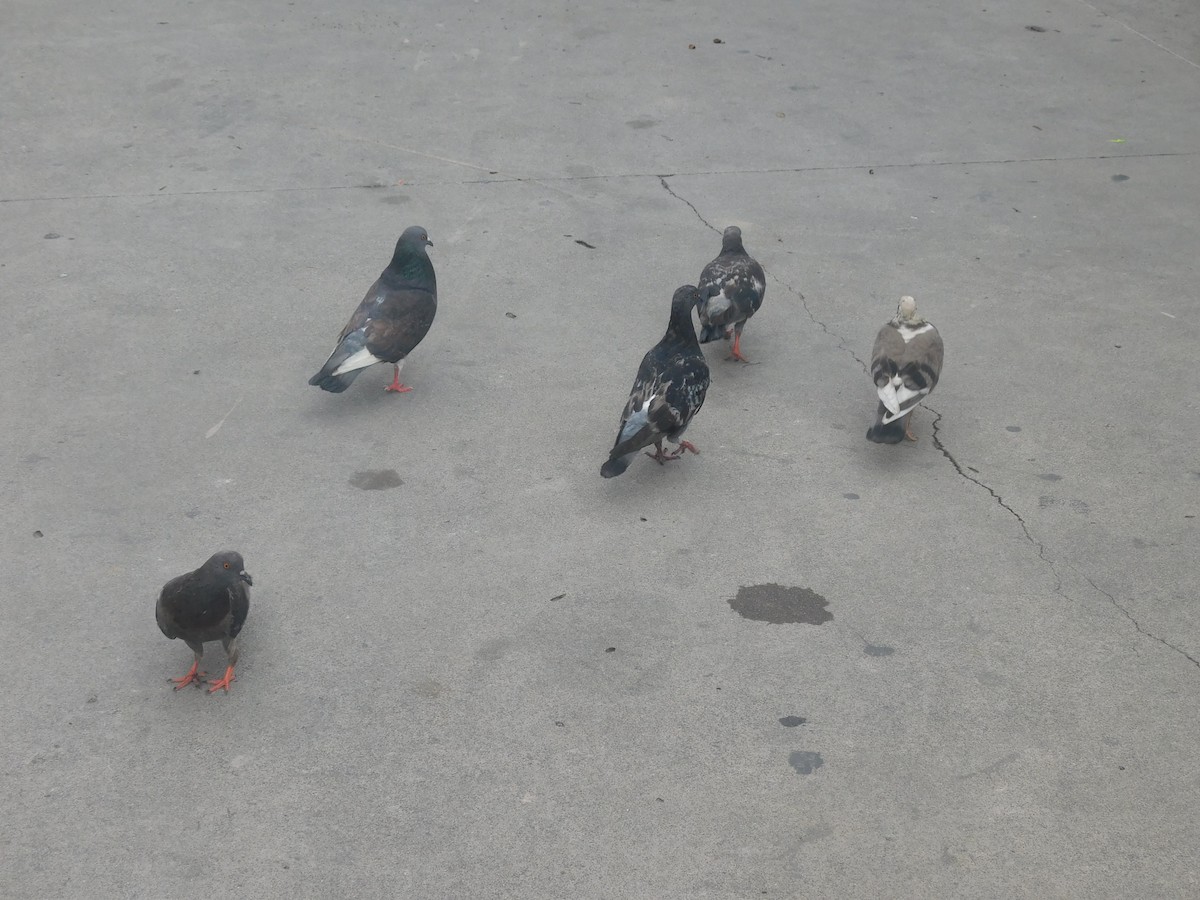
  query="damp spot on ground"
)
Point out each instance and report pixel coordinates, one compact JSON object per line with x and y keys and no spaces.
{"x":376,"y":480}
{"x":878,"y":650}
{"x":850,"y":495}
{"x":52,"y":236}
{"x":805,"y":762}
{"x":395,"y":199}
{"x":1142,"y":545}
{"x":776,"y":604}
{"x":792,"y":721}
{"x":644,"y":122}
{"x":1050,"y":476}
{"x":1120,"y":178}
{"x":1013,"y":428}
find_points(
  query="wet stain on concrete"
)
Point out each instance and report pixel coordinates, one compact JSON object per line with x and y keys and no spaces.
{"x":395,"y":199}
{"x":779,"y":605}
{"x":1013,"y":428}
{"x":1050,"y":476}
{"x":1142,"y":545}
{"x":792,"y":721}
{"x":644,"y":122}
{"x":850,"y":495}
{"x":878,"y":650}
{"x":376,"y":480}
{"x":1120,"y":178}
{"x":805,"y":762}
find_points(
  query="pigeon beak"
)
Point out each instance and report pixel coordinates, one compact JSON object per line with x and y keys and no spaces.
{"x":245,"y":576}
{"x":428,"y":242}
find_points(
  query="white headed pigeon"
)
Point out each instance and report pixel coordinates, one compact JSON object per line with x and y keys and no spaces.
{"x":732,"y":287}
{"x":905,"y":365}
{"x":391,"y":320}
{"x":210,"y":604}
{"x":670,"y":387}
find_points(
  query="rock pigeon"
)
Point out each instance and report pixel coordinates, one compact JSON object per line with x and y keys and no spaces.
{"x":210,"y":604}
{"x":391,"y":320}
{"x":905,"y":365}
{"x":733,"y":286}
{"x":670,"y":387}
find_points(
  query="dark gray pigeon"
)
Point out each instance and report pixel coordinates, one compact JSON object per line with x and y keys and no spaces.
{"x":391,"y":320}
{"x":668,"y":391}
{"x":733,"y":286}
{"x":210,"y":604}
{"x":906,"y":363}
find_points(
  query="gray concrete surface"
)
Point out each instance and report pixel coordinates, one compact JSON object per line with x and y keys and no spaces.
{"x":1004,"y":704}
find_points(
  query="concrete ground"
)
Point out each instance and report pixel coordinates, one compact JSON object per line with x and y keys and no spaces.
{"x":505,"y":676}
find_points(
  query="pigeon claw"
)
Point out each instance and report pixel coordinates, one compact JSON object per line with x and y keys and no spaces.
{"x":398,"y":388}
{"x":685,"y":445}
{"x":193,"y":676}
{"x":659,"y":456}
{"x":224,"y":682}
{"x":737,"y":350}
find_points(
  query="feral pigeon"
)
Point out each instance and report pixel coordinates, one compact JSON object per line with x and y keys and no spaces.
{"x":670,"y":387}
{"x":732,"y":286}
{"x":210,"y":604}
{"x":905,"y":365}
{"x":391,"y":320}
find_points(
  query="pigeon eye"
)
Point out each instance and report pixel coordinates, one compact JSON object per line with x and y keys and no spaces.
{"x":227,"y":565}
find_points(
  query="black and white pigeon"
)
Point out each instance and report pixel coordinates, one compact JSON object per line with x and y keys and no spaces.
{"x":668,"y":391}
{"x":905,"y":364}
{"x":391,"y":320}
{"x":732,"y":286}
{"x":209,"y":604}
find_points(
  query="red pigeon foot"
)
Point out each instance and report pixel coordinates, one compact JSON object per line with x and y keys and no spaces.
{"x":192,"y":677}
{"x":224,"y":682}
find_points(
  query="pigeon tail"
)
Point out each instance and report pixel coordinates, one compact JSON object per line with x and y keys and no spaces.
{"x":615,"y":466}
{"x":710,"y":333}
{"x":890,"y":433}
{"x":335,"y":384}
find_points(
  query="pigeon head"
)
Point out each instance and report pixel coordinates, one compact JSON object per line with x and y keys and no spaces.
{"x":731,"y":240}
{"x":906,"y":312}
{"x":686,"y":297}
{"x":227,"y":566}
{"x":415,"y":238}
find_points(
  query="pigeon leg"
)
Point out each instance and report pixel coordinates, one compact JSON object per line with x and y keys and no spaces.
{"x":737,"y":348}
{"x":194,"y":675}
{"x":908,"y":432}
{"x":396,"y":385}
{"x":658,"y":455}
{"x":685,"y":445}
{"x":224,"y":682}
{"x":231,"y":648}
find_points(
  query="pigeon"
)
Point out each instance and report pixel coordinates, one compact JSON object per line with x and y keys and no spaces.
{"x":733,"y":286}
{"x":210,"y":604}
{"x":905,"y":365}
{"x":670,"y":387}
{"x":391,"y":320}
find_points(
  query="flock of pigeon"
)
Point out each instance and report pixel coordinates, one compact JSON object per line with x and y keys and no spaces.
{"x":212,"y":603}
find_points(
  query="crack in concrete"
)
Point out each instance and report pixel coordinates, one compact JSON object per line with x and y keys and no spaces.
{"x":938,"y":443}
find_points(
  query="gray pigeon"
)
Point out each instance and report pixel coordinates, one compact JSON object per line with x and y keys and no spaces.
{"x":210,"y":604}
{"x":905,"y":364}
{"x":668,"y":391}
{"x":391,"y":320}
{"x":733,"y":286}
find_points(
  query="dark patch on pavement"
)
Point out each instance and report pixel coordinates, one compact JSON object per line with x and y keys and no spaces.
{"x":805,"y":762}
{"x":878,"y":650}
{"x":376,"y":479}
{"x":792,"y":721}
{"x":779,"y":605}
